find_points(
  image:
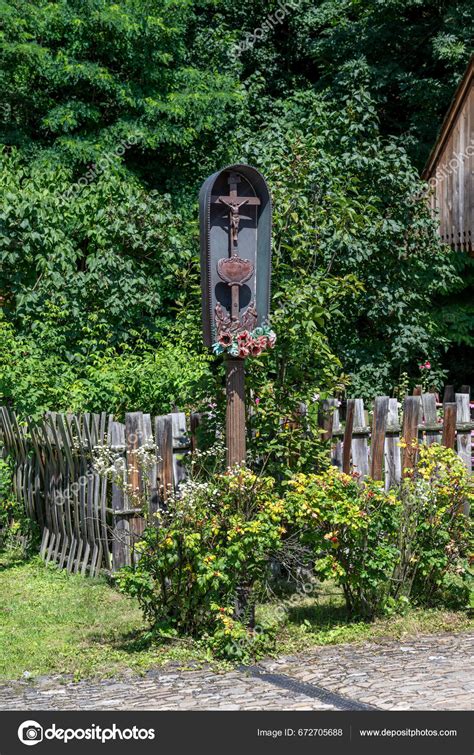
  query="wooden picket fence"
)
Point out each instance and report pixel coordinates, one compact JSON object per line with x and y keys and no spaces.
{"x":91,"y":523}
{"x":391,"y":452}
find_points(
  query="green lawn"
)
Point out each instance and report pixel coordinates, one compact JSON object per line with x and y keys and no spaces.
{"x":55,"y":623}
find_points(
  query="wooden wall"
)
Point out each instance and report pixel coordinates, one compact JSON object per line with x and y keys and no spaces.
{"x":451,"y":174}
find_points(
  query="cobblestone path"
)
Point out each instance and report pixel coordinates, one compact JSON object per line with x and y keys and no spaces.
{"x":425,"y":673}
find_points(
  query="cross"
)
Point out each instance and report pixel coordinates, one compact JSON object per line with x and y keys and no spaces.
{"x":234,"y":203}
{"x":239,"y":270}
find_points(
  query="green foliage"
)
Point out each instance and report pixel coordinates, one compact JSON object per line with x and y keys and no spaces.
{"x":386,"y":549}
{"x":352,"y":530}
{"x":16,"y":529}
{"x":121,"y":379}
{"x":435,"y":537}
{"x":357,"y":261}
{"x":111,"y":116}
{"x":212,"y":543}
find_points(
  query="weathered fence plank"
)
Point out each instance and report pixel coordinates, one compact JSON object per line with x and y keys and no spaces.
{"x":411,"y":414}
{"x":360,"y":446}
{"x":164,"y":467}
{"x":379,"y":427}
{"x":449,"y":425}
{"x":393,"y":461}
{"x":346,"y":445}
{"x":430,"y":418}
{"x":463,"y":415}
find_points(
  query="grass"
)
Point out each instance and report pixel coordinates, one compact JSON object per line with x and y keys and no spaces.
{"x":324,"y":620}
{"x":55,"y":623}
{"x":52,"y":622}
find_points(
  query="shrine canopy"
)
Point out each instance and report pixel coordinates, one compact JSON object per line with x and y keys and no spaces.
{"x":235,"y":222}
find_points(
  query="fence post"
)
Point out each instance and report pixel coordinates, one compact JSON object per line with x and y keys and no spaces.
{"x":164,"y":466}
{"x":449,"y":425}
{"x":393,"y":462}
{"x":346,"y":445}
{"x":411,"y":416}
{"x":464,"y":442}
{"x":134,"y":438}
{"x":430,"y":416}
{"x":360,"y":447}
{"x":379,"y":427}
{"x":121,"y":528}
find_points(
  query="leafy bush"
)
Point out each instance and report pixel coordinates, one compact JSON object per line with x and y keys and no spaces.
{"x":434,"y":534}
{"x":16,"y":529}
{"x":352,"y":530}
{"x":203,"y":564}
{"x":206,"y":560}
{"x":386,"y":549}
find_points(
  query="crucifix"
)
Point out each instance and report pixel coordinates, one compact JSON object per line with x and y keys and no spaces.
{"x":235,"y":255}
{"x":234,"y":270}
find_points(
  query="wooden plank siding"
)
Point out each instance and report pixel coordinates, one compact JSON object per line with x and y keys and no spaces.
{"x":450,"y":169}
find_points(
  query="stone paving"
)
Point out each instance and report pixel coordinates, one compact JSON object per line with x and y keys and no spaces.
{"x":425,"y":673}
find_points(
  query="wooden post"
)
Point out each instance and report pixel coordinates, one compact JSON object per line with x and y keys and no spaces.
{"x":134,"y":438}
{"x":411,"y":415}
{"x":164,"y":467}
{"x":379,"y":427}
{"x":464,"y":442}
{"x":326,"y":417}
{"x":430,"y":418}
{"x":346,"y":446}
{"x":121,"y":527}
{"x":235,"y":419}
{"x":393,"y":464}
{"x":449,"y":425}
{"x":194,"y":422}
{"x":360,"y":448}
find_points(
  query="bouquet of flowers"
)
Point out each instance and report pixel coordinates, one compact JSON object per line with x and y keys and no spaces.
{"x":245,"y":343}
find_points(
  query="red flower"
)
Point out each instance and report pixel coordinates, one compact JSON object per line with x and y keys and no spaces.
{"x":262,"y":342}
{"x":243,"y":337}
{"x":243,"y":352}
{"x":255,"y":349}
{"x":225,"y":339}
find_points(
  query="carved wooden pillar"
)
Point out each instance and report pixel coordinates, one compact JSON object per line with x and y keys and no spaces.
{"x":235,"y":425}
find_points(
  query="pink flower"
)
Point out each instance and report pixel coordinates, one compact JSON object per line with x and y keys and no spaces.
{"x":225,"y":339}
{"x":257,"y":401}
{"x":425,"y":366}
{"x":255,"y":349}
{"x":271,"y":341}
{"x":262,"y":342}
{"x":243,"y":352}
{"x":243,"y":337}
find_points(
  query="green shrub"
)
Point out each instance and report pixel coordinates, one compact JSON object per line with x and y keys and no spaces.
{"x":205,"y":562}
{"x":352,"y":531}
{"x":203,"y":565}
{"x":16,"y":529}
{"x":434,"y":534}
{"x":386,"y":549}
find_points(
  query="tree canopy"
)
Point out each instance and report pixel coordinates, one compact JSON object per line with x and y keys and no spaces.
{"x":111,"y":116}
